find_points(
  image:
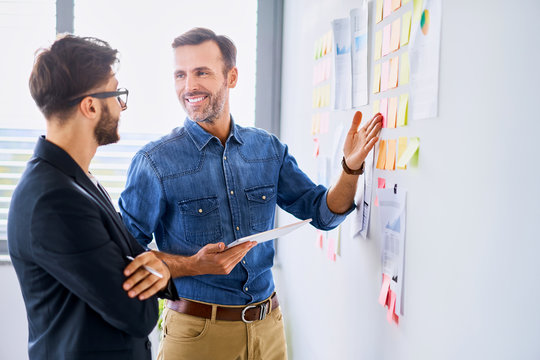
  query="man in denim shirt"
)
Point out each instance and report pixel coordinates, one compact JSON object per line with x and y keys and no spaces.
{"x":211,"y":182}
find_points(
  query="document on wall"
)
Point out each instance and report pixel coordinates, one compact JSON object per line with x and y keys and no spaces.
{"x":342,"y":64}
{"x":359,"y":33}
{"x":392,"y":213}
{"x":270,"y":234}
{"x":360,"y":222}
{"x":424,"y":61}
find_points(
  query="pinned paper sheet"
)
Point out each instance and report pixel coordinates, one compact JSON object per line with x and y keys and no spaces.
{"x":378,"y":45}
{"x":394,"y":37}
{"x":396,"y":4}
{"x":377,"y":78}
{"x":387,"y":8}
{"x":405,"y":28}
{"x":376,"y":107}
{"x":382,"y":155}
{"x":392,"y":113}
{"x":384,"y":289}
{"x":385,"y":72}
{"x":379,"y":11}
{"x":402,"y":112}
{"x":412,"y":148}
{"x":381,"y":184}
{"x":402,"y":145}
{"x":394,"y":70}
{"x":390,"y":163}
{"x":383,"y":109}
{"x":404,"y":69}
{"x":387,"y":32}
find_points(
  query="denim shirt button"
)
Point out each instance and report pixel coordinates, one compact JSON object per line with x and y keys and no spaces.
{"x":200,"y":210}
{"x":264,"y":197}
{"x":232,"y":192}
{"x":237,"y":228}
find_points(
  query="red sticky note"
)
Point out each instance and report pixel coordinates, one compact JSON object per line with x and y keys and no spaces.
{"x":382,"y":185}
{"x":390,"y":312}
{"x":384,"y":289}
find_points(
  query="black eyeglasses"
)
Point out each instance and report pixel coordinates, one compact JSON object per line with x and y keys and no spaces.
{"x":121,"y":96}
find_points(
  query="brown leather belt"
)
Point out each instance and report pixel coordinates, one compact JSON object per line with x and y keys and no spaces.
{"x":247,"y":314}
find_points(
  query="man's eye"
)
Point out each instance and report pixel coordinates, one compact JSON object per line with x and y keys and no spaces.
{"x":180,"y":76}
{"x":203,"y":73}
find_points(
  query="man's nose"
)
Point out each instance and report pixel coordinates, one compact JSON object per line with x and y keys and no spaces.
{"x":191,"y":83}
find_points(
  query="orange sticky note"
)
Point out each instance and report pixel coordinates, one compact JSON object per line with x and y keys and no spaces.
{"x":381,"y":182}
{"x":393,"y":78}
{"x":387,"y":32}
{"x":377,"y":78}
{"x":382,"y":155}
{"x":392,"y":113}
{"x":405,"y":28}
{"x":383,"y":109}
{"x":390,"y":163}
{"x":387,"y":8}
{"x":396,"y":4}
{"x":394,"y":38}
{"x":378,"y":45}
{"x":403,"y":109}
{"x":384,"y":289}
{"x":385,"y":72}
{"x":402,"y":145}
{"x":379,"y":11}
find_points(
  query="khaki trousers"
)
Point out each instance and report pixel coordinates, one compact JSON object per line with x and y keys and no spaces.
{"x":194,"y":338}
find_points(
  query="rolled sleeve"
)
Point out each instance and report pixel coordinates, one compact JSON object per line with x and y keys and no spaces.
{"x":329,"y":219}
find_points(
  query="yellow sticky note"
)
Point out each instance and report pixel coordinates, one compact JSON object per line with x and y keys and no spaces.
{"x":376,"y":107}
{"x":394,"y":38}
{"x":392,"y":113}
{"x":417,"y":9}
{"x":314,"y":98}
{"x":403,"y":108}
{"x":315,"y":124}
{"x":378,"y":11}
{"x":378,"y":45}
{"x":327,"y":96}
{"x":402,"y":145}
{"x":390,"y":163}
{"x":393,"y":78}
{"x":382,"y":155}
{"x":412,"y":148}
{"x":405,"y":1}
{"x":396,"y":4}
{"x":377,"y":78}
{"x":405,"y":69}
{"x":405,"y":28}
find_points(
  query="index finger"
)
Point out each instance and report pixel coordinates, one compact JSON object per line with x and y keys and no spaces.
{"x":136,"y":263}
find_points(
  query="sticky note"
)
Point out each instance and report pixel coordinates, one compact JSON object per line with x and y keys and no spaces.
{"x":406,"y":1}
{"x":392,"y":113}
{"x":412,"y":148}
{"x":314,"y":100}
{"x":402,"y":145}
{"x":379,"y":11}
{"x":385,"y":72}
{"x":319,"y":239}
{"x":377,"y":78}
{"x":316,"y":147}
{"x":402,"y":110}
{"x":382,"y":155}
{"x":390,"y":163}
{"x":378,"y":45}
{"x":383,"y":109}
{"x":417,"y":9}
{"x":376,"y":200}
{"x":394,"y":37}
{"x":405,"y":28}
{"x":387,"y":8}
{"x":315,"y":124}
{"x":331,"y":251}
{"x":387,"y":32}
{"x":381,"y":184}
{"x":396,"y":4}
{"x":384,"y":289}
{"x":391,"y":308}
{"x":376,"y":106}
{"x":394,"y":70}
{"x":405,"y":69}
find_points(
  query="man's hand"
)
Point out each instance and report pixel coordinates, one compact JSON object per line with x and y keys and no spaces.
{"x":216,"y":259}
{"x":359,"y":142}
{"x":142,"y":283}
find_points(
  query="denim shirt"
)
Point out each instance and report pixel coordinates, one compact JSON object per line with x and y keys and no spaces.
{"x":189,"y":190}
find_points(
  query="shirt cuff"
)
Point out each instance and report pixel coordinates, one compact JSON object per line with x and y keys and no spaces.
{"x":330,"y":219}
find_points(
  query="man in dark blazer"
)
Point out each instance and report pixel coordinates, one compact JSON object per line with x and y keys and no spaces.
{"x":84,"y":298}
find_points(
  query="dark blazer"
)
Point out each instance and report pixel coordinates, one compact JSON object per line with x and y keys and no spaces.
{"x":68,"y":246}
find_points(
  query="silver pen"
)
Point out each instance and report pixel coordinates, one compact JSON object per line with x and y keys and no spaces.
{"x":148,"y":268}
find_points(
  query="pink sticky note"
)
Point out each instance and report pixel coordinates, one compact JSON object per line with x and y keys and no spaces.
{"x":316,"y":148}
{"x":390,"y":312}
{"x":319,"y":239}
{"x":331,"y":253}
{"x":387,"y":32}
{"x":394,"y":71}
{"x":392,"y":113}
{"x":383,"y":109}
{"x":394,"y":37}
{"x":384,"y":289}
{"x":376,"y":200}
{"x":381,"y":185}
{"x":387,"y":8}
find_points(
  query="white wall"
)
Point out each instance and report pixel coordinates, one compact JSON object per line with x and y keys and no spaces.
{"x":471,"y":245}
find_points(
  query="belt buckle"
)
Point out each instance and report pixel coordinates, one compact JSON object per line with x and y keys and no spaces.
{"x":262,"y":313}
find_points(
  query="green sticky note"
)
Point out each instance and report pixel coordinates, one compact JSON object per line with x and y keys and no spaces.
{"x":405,"y":28}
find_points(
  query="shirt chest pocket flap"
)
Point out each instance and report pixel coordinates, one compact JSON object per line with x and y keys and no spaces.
{"x":262,"y":206}
{"x":200,"y":220}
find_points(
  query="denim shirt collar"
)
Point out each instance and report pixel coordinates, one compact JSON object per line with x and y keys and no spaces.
{"x":201,"y":137}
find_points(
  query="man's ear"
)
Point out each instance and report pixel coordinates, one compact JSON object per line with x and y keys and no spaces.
{"x":89,"y":107}
{"x":232,"y":77}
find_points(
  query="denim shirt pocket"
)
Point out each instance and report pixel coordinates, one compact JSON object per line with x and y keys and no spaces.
{"x":201,"y":220}
{"x":262,"y":206}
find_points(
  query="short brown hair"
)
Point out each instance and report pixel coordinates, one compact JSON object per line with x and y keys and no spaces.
{"x":71,"y":67}
{"x":197,"y":36}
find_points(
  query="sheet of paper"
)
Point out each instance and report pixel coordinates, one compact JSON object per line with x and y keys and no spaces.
{"x":379,"y":11}
{"x":387,"y":32}
{"x":383,"y":109}
{"x":392,"y":112}
{"x":377,"y":78}
{"x":339,"y":136}
{"x":394,"y":70}
{"x":424,"y":59}
{"x":385,"y":73}
{"x":405,"y":68}
{"x":405,"y":28}
{"x":412,"y":148}
{"x":342,"y":64}
{"x":402,"y":109}
{"x":361,"y":218}
{"x":381,"y":159}
{"x":402,"y":145}
{"x":378,"y":45}
{"x":270,"y":234}
{"x":359,"y":32}
{"x":394,"y":37}
{"x":390,"y":163}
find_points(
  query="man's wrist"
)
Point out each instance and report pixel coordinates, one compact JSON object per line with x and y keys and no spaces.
{"x":351,"y":171}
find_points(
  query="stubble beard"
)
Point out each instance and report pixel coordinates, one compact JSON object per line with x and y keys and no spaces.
{"x":213,"y":110}
{"x":106,"y":131}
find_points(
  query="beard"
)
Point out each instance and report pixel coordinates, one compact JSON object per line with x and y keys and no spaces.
{"x":106,"y":131}
{"x":214,"y":108}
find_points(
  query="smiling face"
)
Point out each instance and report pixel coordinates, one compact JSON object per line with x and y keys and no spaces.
{"x":201,"y":83}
